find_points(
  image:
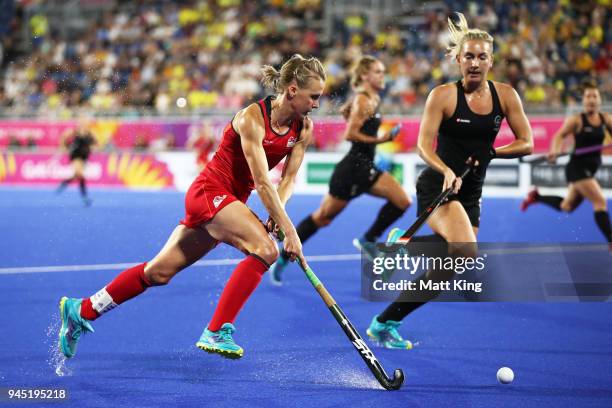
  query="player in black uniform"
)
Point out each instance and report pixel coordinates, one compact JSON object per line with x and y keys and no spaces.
{"x":465,"y":116}
{"x":79,"y":146}
{"x":356,"y":173}
{"x":588,"y":130}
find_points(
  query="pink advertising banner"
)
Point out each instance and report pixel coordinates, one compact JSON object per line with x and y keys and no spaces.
{"x":108,"y":132}
{"x":328,"y":132}
{"x":112,"y":169}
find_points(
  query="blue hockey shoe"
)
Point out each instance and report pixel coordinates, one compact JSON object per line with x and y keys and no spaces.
{"x":73,"y":325}
{"x":220,"y":342}
{"x":386,"y":334}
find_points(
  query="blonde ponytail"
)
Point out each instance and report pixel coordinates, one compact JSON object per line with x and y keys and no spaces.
{"x":460,"y":33}
{"x":296,"y":68}
{"x":269,"y":76}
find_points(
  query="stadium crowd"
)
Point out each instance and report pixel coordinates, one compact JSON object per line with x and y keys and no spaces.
{"x":163,"y":57}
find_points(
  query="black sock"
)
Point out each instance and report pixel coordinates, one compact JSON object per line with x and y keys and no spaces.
{"x":602,"y":218}
{"x":83,"y":187}
{"x":410,"y":300}
{"x":407,"y":302}
{"x":387,"y":215}
{"x":306,"y":229}
{"x":553,"y":201}
{"x":396,"y":311}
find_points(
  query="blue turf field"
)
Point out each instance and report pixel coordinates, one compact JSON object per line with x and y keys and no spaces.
{"x":143,"y":353}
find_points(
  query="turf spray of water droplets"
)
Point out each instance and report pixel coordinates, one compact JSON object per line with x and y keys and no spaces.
{"x":55,"y":358}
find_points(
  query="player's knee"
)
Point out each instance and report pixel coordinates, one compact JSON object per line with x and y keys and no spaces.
{"x":268,"y":251}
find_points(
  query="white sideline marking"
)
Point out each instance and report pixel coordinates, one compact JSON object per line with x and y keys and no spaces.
{"x":313,"y":258}
{"x":120,"y":266}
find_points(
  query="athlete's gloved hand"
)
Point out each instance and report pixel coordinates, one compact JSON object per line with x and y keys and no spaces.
{"x":293,"y":246}
{"x":273,"y":229}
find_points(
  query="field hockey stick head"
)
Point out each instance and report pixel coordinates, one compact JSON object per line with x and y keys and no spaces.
{"x":394,"y":383}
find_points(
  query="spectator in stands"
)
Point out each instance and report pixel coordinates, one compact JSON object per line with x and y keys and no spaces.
{"x":146,"y":57}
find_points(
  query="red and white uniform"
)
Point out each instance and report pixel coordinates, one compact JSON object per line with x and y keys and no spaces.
{"x":227,"y":177}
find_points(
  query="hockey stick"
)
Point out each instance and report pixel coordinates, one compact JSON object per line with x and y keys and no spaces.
{"x":364,"y":351}
{"x":414,"y":228}
{"x":583,"y":150}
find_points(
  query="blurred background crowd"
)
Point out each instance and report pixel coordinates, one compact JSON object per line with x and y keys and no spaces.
{"x":63,"y":59}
